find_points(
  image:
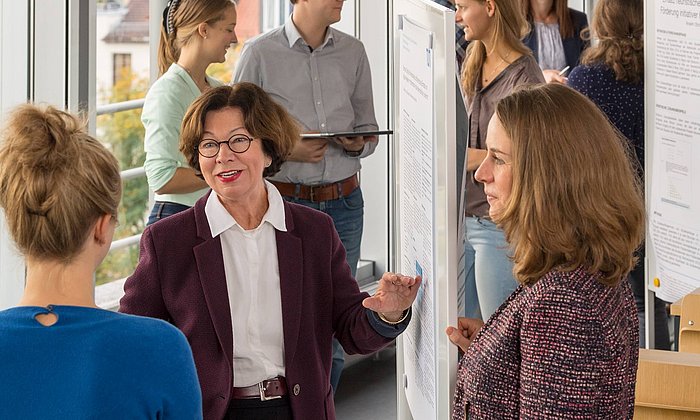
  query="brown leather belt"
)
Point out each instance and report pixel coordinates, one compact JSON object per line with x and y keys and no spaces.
{"x":266,"y":390}
{"x":318,"y":193}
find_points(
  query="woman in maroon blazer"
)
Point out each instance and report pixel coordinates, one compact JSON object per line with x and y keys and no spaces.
{"x":259,"y":286}
{"x":562,"y":186}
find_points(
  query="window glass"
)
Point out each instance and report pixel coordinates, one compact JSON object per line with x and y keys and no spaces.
{"x":122,"y":74}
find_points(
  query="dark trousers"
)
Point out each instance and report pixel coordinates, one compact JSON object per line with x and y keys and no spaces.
{"x":661,"y":333}
{"x":278,"y":409}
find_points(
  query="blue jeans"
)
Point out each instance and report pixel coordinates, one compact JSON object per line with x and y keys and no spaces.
{"x":348,"y":215}
{"x":163,"y":209}
{"x":489,"y":271}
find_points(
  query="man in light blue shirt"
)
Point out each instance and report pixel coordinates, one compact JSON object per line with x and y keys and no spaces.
{"x":322,"y":77}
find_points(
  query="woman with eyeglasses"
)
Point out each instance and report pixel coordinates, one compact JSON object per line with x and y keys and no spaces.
{"x":193,"y":35}
{"x":259,"y":286}
{"x":61,"y":356}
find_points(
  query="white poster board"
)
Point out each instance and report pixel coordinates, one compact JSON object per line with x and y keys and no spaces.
{"x":427,"y":240}
{"x":673,"y":147}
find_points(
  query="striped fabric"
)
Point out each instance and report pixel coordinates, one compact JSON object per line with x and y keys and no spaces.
{"x":564,"y":348}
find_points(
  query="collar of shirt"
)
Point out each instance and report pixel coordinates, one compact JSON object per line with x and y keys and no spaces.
{"x":221,"y":220}
{"x":293,"y":35}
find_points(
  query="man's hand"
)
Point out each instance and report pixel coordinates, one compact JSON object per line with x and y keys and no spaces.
{"x":309,"y":150}
{"x":354,"y":144}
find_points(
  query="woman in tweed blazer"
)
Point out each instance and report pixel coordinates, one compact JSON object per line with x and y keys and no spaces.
{"x":562,"y":186}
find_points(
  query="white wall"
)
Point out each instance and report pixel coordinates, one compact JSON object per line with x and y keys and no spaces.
{"x":14,"y":70}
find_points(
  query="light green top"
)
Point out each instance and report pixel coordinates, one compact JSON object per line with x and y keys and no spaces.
{"x":163,"y":111}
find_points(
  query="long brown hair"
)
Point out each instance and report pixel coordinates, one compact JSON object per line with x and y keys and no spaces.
{"x":619,"y":27}
{"x":55,"y":181}
{"x":184,"y":19}
{"x":510,"y":27}
{"x":561,"y":10}
{"x":576,"y":198}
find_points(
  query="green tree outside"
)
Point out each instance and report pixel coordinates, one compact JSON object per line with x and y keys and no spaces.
{"x":123,"y":134}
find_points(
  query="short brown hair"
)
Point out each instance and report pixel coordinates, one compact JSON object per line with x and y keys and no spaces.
{"x":55,"y":181}
{"x":619,"y":27}
{"x":576,"y":198}
{"x":264,"y":119}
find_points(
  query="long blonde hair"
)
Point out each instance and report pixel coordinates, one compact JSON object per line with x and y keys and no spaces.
{"x":55,"y":181}
{"x":510,"y":28}
{"x":576,"y":198}
{"x":180,"y":21}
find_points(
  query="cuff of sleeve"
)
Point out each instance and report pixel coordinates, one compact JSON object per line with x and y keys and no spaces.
{"x":388,"y":330}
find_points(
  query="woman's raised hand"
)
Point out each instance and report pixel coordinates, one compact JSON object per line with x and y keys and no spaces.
{"x":395,"y":294}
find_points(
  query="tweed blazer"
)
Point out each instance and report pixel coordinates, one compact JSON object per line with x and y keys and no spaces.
{"x":180,"y":278}
{"x":564,"y":348}
{"x":573,"y":46}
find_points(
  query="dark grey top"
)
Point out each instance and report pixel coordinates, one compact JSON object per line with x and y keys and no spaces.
{"x":522,"y":71}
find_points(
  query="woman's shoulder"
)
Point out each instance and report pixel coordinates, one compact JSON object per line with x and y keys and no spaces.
{"x":171,"y":85}
{"x":181,"y":227}
{"x":579,"y":19}
{"x":147,"y":336}
{"x":526,"y":70}
{"x":565,"y":288}
{"x":588,"y":78}
{"x":597,"y":68}
{"x":576,"y":287}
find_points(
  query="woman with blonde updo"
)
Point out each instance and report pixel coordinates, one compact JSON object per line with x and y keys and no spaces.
{"x":193,"y":35}
{"x":60,"y":355}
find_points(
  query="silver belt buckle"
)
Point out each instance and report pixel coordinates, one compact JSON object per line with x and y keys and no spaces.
{"x":264,"y":397}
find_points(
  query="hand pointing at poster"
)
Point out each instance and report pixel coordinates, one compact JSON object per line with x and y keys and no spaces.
{"x":394,"y":297}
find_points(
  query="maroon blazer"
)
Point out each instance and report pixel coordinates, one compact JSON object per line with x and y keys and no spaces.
{"x":180,"y":278}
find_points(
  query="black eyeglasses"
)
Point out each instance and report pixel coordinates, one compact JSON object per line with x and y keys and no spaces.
{"x":237,"y":143}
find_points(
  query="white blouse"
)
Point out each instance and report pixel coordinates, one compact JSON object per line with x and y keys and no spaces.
{"x":550,"y":50}
{"x":253,"y":283}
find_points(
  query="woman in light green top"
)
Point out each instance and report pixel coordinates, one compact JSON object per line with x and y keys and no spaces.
{"x":194,"y":34}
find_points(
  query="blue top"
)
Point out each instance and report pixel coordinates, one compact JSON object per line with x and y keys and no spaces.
{"x":622,"y":102}
{"x":94,"y":364}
